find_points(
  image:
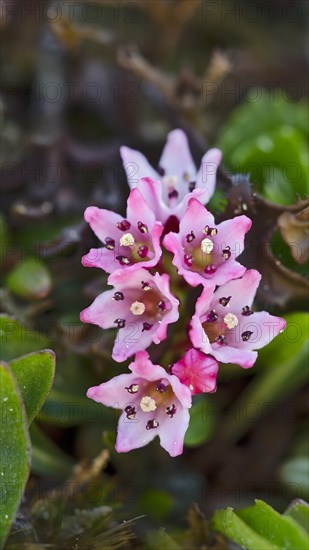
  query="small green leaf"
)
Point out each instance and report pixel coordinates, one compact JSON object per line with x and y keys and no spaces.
{"x":282,"y":531}
{"x":48,"y":459}
{"x":34,"y":374}
{"x":17,"y":339}
{"x":201,"y":423}
{"x":160,"y":540}
{"x":299,"y":511}
{"x":30,"y":280}
{"x":229,"y":524}
{"x":15,"y":450}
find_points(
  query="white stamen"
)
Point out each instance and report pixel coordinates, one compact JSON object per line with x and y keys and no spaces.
{"x":148,"y":404}
{"x":170,"y":181}
{"x":230,"y":320}
{"x":137,"y":308}
{"x":207,"y":246}
{"x":127,"y":239}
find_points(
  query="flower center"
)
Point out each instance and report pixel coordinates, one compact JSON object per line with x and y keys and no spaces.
{"x":148,"y":404}
{"x":137,"y":308}
{"x":127,"y":239}
{"x":207,"y":245}
{"x":231,"y":320}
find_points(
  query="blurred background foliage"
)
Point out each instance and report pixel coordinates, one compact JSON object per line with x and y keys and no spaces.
{"x":78,"y":80}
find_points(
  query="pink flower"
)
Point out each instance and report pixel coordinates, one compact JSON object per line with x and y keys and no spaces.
{"x":127,"y":243}
{"x":140,"y":306}
{"x":168,"y":189}
{"x":225,"y":326}
{"x":197,"y":371}
{"x":205,"y":252}
{"x":152,"y":402}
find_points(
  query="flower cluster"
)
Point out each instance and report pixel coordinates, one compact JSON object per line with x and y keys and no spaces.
{"x":167,"y":223}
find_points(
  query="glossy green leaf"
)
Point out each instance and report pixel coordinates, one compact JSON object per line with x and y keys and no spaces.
{"x":15,"y":450}
{"x":260,"y":527}
{"x":30,"y":280}
{"x":201,"y":423}
{"x":17,"y":339}
{"x":229,"y":524}
{"x":299,"y":511}
{"x":34,"y":374}
{"x":268,"y":140}
{"x":48,"y":459}
{"x":280,"y":530}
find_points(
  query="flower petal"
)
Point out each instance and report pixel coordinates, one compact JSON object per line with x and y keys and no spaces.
{"x":103,"y":222}
{"x":226,"y":354}
{"x":103,"y":311}
{"x":197,"y":371}
{"x":136,"y":166}
{"x":206,"y":176}
{"x":176,"y":157}
{"x":132,"y":434}
{"x":264,"y":328}
{"x":113,"y":393}
{"x":172,"y":431}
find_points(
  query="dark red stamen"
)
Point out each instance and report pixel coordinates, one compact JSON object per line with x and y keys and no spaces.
{"x":109,"y":243}
{"x":118,"y":296}
{"x":133,"y":388}
{"x":246,"y":311}
{"x":124,"y":225}
{"x":170,"y":410}
{"x":147,"y":326}
{"x":162,"y":305}
{"x":145,"y":285}
{"x":123,"y":260}
{"x":192,"y":185}
{"x":190,"y":237}
{"x":152,"y":424}
{"x":120,"y":323}
{"x":212,"y":317}
{"x":226,"y":253}
{"x":142,"y":227}
{"x":224,"y":301}
{"x":161,"y":387}
{"x":210,"y":269}
{"x":246,"y":335}
{"x":161,"y":171}
{"x":221,"y":340}
{"x":188,"y":259}
{"x":130,"y":412}
{"x":143,"y":251}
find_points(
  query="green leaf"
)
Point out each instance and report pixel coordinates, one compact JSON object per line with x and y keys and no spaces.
{"x":30,"y":280}
{"x":47,"y":458}
{"x":299,"y":511}
{"x":201,"y":423}
{"x":160,"y":540}
{"x":229,"y":524}
{"x":280,"y":530}
{"x":34,"y":374}
{"x":260,"y":527}
{"x":15,"y":450}
{"x":17,"y":339}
